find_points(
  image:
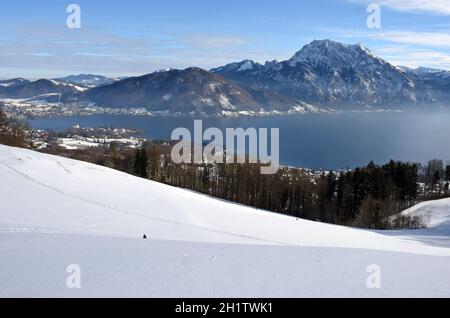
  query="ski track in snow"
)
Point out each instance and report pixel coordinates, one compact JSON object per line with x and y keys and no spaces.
{"x":257,"y":239}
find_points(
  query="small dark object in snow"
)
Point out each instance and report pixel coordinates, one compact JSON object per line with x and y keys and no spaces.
{"x":145,"y":237}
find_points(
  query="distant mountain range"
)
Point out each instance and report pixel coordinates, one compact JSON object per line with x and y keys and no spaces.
{"x":88,"y":80}
{"x":13,"y":82}
{"x":431,"y":85}
{"x":20,"y":88}
{"x":325,"y":73}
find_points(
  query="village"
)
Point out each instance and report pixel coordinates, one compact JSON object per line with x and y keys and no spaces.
{"x":81,"y":138}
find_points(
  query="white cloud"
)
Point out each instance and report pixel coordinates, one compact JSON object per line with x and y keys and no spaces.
{"x":440,"y":7}
{"x":48,"y":49}
{"x":413,"y":49}
{"x":411,"y":57}
{"x":434,"y":39}
{"x":437,"y":39}
{"x":214,"y":41}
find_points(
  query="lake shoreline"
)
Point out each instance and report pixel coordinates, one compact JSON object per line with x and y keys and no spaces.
{"x":316,"y":141}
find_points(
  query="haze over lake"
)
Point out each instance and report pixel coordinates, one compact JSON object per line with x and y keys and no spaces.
{"x":335,"y":141}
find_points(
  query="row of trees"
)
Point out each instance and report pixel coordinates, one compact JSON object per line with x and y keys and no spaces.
{"x":436,"y":177}
{"x":369,"y":197}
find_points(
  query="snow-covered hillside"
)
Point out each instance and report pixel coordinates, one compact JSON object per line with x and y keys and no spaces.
{"x":55,"y":212}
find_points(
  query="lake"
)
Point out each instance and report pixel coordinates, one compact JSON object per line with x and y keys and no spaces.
{"x":325,"y":141}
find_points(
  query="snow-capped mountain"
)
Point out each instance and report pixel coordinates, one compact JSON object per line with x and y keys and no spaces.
{"x":240,"y":67}
{"x":328,"y":73}
{"x":88,"y":80}
{"x":432,"y":85}
{"x":419,"y":70}
{"x":197,"y":246}
{"x":13,"y":82}
{"x":38,"y":88}
{"x":183,"y":91}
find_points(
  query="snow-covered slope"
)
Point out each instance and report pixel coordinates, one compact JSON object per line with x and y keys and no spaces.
{"x":437,"y":215}
{"x":55,"y":212}
{"x":62,"y":194}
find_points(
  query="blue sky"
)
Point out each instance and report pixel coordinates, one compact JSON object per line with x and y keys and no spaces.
{"x":136,"y":37}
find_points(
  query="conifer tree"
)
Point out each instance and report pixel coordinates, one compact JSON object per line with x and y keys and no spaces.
{"x":141,"y":163}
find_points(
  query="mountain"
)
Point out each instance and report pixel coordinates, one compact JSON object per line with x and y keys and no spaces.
{"x":87,"y":80}
{"x":38,"y":88}
{"x":13,"y":82}
{"x":432,"y":85}
{"x":419,"y":70}
{"x":328,"y":73}
{"x":197,"y":246}
{"x":183,"y":91}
